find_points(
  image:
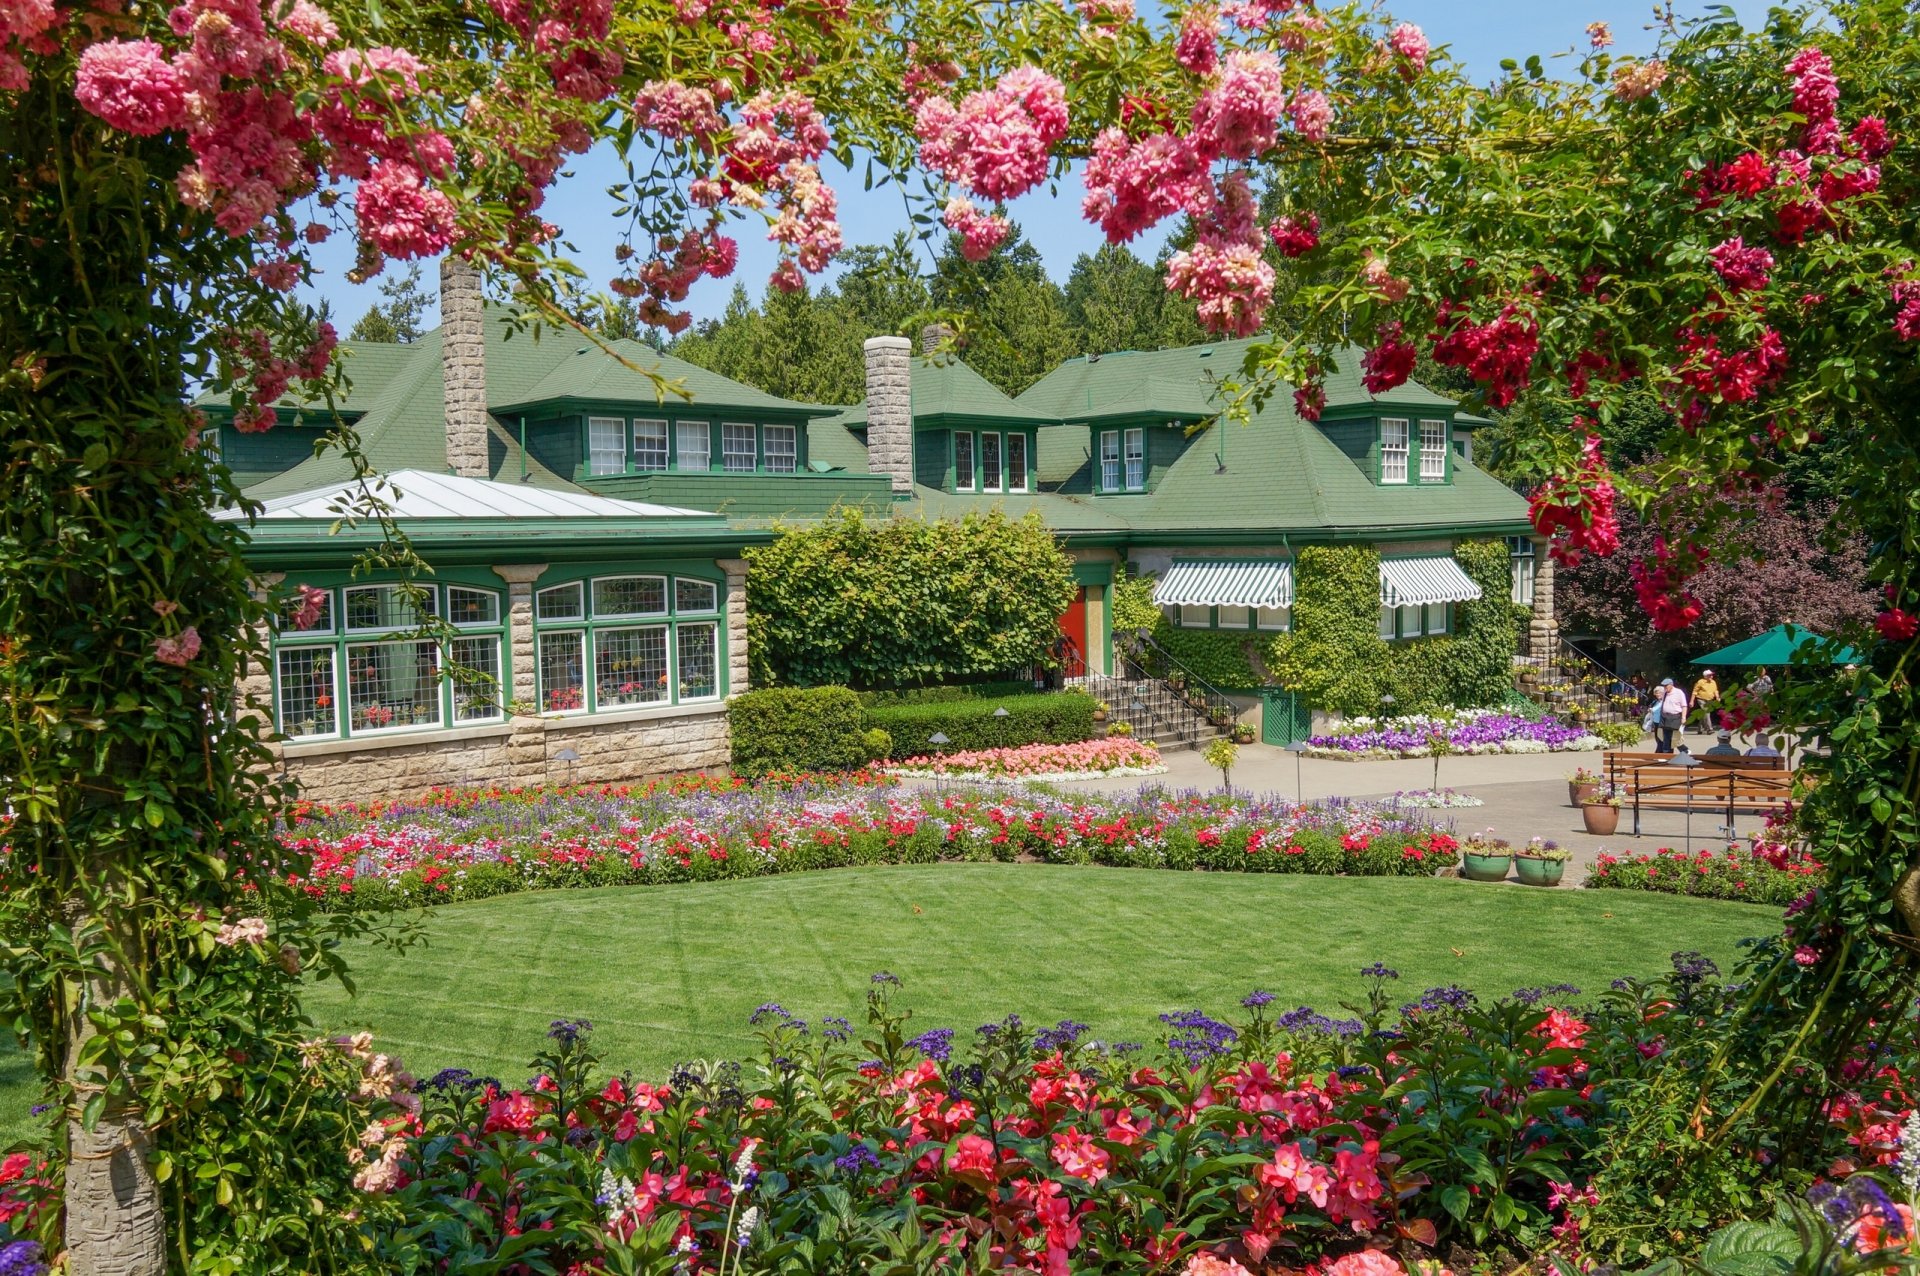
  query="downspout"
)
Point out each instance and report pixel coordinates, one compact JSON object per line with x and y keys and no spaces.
{"x":524,"y":471}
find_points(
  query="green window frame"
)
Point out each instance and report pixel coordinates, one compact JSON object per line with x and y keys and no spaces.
{"x":1396,"y":451}
{"x":1428,"y":620}
{"x":606,"y":445}
{"x":1018,"y":463}
{"x":1436,"y":454}
{"x":624,"y":640}
{"x":993,"y":470}
{"x":363,"y":669}
{"x":1270,"y":620}
{"x":965,"y":479}
{"x":695,"y":438}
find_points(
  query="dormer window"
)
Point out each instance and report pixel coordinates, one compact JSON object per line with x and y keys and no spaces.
{"x":963,"y":461}
{"x":1016,"y":462}
{"x":649,"y":445}
{"x":737,"y":451}
{"x":782,"y":444}
{"x":1433,"y":451}
{"x":1136,"y":460}
{"x":989,"y":462}
{"x":694,"y":439}
{"x":1123,"y":460}
{"x":1110,"y":461}
{"x":606,"y":445}
{"x":1393,"y":450}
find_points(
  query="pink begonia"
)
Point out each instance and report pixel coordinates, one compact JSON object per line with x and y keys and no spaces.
{"x":773,"y":131}
{"x":132,"y":86}
{"x":1410,"y":42}
{"x":177,"y":650}
{"x":1743,"y":268}
{"x":808,"y":219}
{"x":980,"y":232}
{"x":996,"y":141}
{"x":1806,"y":955}
{"x":1240,"y":113}
{"x":673,"y":109}
{"x":1633,"y":81}
{"x":1133,"y":185}
{"x":1366,"y":1262}
{"x":248,"y":930}
{"x":1312,"y":114}
{"x":25,"y":26}
{"x":1205,"y":1264}
{"x":401,"y":216}
{"x":1197,"y":47}
{"x":1224,"y":273}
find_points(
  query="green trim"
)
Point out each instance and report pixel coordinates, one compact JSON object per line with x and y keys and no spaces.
{"x":716,"y":443}
{"x":587,"y":625}
{"x":951,"y":478}
{"x":1093,"y":573}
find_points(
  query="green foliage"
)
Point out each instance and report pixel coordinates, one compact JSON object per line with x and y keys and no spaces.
{"x":947,"y":694}
{"x":796,"y":729}
{"x":1221,"y":755}
{"x":1222,"y":658}
{"x":396,"y":317}
{"x":1132,"y":601}
{"x":903,"y":601}
{"x":1333,"y":657}
{"x":1479,"y":666}
{"x":1059,"y":718}
{"x":1618,"y":735}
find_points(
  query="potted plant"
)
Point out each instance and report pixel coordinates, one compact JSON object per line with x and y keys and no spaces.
{"x":1581,"y":783}
{"x":1177,"y":680}
{"x":1541,"y":863}
{"x":1486,"y":858}
{"x":1100,"y":709}
{"x":1601,"y":811}
{"x":1243,"y":733}
{"x":1120,"y":728}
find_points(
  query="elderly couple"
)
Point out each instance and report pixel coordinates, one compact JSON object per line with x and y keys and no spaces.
{"x":1671,"y":706}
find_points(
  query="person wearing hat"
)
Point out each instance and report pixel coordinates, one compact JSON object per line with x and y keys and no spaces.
{"x":1723,"y":746}
{"x":1706,"y":700}
{"x":1672,"y":702}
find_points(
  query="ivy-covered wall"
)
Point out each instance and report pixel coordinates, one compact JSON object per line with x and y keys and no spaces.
{"x":1335,"y":659}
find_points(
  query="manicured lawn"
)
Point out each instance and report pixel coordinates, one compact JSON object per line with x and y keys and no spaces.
{"x":670,"y":973}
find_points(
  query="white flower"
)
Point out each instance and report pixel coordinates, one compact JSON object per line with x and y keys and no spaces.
{"x":748,"y":1221}
{"x":1910,"y":1154}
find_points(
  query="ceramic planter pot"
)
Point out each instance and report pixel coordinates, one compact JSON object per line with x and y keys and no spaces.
{"x":1600,"y":818}
{"x":1579,"y":792}
{"x":1491,"y":867}
{"x":1539,"y":872}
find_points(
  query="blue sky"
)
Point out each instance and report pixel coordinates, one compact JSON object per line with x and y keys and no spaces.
{"x":1479,"y":33}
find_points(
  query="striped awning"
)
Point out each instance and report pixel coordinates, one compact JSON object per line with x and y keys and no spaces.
{"x":1226,"y":582}
{"x":1409,"y":582}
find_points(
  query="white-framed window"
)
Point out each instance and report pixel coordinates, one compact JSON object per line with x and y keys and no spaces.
{"x":1438,"y":617}
{"x":322,"y":620}
{"x":1415,"y":620}
{"x":694,"y":441}
{"x":1016,"y":462}
{"x":593,"y":654}
{"x":1520,"y":551}
{"x":737,"y":454}
{"x":989,"y":462}
{"x":210,"y":441}
{"x":1136,"y":460}
{"x":606,"y":445}
{"x":649,"y":446}
{"x":1192,"y":617}
{"x":1393,"y":450}
{"x":1273,"y":618}
{"x":1433,"y":451}
{"x":1110,"y":461}
{"x":378,"y":676}
{"x":963,"y":476}
{"x":1233,"y":617}
{"x":1388,"y":629}
{"x":782,"y":444}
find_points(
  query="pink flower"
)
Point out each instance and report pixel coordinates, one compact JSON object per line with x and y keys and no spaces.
{"x":306,"y":613}
{"x":1599,"y":36}
{"x":980,"y":232}
{"x":1870,"y":136}
{"x":1906,"y":302}
{"x":248,"y":930}
{"x":1366,"y":1262}
{"x":674,"y":109}
{"x":1806,"y":955}
{"x":401,"y":216}
{"x":1198,"y":46}
{"x":1079,"y":1156}
{"x":1133,"y":185}
{"x":1633,"y":81}
{"x":1312,"y":115}
{"x":1390,"y":362}
{"x":1295,"y":1175}
{"x":1896,"y":624}
{"x":1105,"y":12}
{"x":1816,"y":95}
{"x":1240,"y":113}
{"x":996,"y":142}
{"x":1379,"y":276}
{"x":1205,"y":1264}
{"x":1296,"y":236}
{"x":1410,"y":42}
{"x":177,"y":651}
{"x":309,"y":21}
{"x":132,"y":86}
{"x":1744,"y":269}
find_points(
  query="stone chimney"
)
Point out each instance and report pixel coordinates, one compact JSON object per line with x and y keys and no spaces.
{"x":932,"y":335}
{"x":890,"y":409}
{"x":463,"y":367}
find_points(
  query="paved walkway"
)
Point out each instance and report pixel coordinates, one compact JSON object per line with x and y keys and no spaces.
{"x":1524,"y":795}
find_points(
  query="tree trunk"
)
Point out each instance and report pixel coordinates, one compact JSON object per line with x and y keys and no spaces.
{"x":115,"y":1224}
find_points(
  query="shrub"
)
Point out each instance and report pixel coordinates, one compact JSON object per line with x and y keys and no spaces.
{"x":796,"y":729}
{"x":1619,"y":735}
{"x":1059,"y":718}
{"x":952,"y":693}
{"x":1766,"y":874}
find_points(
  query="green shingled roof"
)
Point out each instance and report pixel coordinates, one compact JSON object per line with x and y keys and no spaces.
{"x":945,"y":390}
{"x":589,"y":374}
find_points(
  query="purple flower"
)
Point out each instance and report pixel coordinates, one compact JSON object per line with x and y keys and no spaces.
{"x":936,"y":1044}
{"x":1256,"y":999}
{"x":568,"y":1031}
{"x":1379,"y":970}
{"x":1197,"y":1037}
{"x":859,"y":1157}
{"x":1060,"y":1037}
{"x":834,"y":1028}
{"x":768,"y":1010}
{"x":21,"y":1258}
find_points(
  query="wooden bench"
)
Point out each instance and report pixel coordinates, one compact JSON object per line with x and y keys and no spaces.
{"x":1728,"y":785}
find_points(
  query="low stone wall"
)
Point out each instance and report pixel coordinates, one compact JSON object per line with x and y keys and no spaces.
{"x":608,"y":749}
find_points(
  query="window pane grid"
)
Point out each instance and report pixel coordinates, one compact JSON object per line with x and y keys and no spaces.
{"x":989,"y":462}
{"x":606,"y":445}
{"x":963,"y":461}
{"x":476,"y":679}
{"x":782,"y":447}
{"x":1110,"y":461}
{"x":388,"y":607}
{"x":1233,"y":617}
{"x":1393,"y":451}
{"x":560,"y":602}
{"x":1136,"y":460}
{"x":307,"y":691}
{"x":392,"y":685}
{"x":695,"y":596}
{"x":695,"y":443}
{"x":472,"y":606}
{"x":1433,"y":449}
{"x":629,"y":596}
{"x":1273,"y":618}
{"x":737,"y":449}
{"x":323,"y":620}
{"x":1016,"y":462}
{"x":630,"y":666}
{"x":699,"y":661}
{"x":650,"y":446}
{"x":562,"y":680}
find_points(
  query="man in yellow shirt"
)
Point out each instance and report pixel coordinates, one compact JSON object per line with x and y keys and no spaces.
{"x":1706,"y":701}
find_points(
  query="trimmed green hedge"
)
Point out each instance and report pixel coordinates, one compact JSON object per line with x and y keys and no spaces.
{"x":797,"y":729}
{"x":1063,"y":717}
{"x":946,"y":695}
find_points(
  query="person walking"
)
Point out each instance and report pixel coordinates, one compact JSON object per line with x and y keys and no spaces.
{"x":1673,"y":714}
{"x":1706,"y":701}
{"x":1762,"y":684}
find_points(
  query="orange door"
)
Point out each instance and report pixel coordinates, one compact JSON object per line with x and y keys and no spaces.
{"x":1073,"y":623}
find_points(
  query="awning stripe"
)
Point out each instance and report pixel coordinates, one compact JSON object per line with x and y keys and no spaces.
{"x":1226,"y":582}
{"x":1409,"y":582}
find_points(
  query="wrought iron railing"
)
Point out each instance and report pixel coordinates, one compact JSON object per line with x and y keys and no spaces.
{"x":1590,"y":685}
{"x":1152,"y":692}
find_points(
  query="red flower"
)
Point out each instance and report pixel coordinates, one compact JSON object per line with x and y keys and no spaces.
{"x":1896,"y":624}
{"x":1390,"y":363}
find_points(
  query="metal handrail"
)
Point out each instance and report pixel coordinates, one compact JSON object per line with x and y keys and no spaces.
{"x":1217,"y":701}
{"x":1145,"y":695}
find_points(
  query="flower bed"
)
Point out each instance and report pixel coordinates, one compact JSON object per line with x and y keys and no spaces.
{"x":473,"y":844}
{"x":1762,"y":873}
{"x":1462,"y":730}
{"x":1437,"y":799}
{"x":1087,"y":760}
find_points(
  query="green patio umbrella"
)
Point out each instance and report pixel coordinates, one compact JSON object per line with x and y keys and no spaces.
{"x":1775,"y":647}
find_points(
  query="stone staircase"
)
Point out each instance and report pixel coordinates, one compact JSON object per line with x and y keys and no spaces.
{"x":1142,"y":692}
{"x":1572,"y":685}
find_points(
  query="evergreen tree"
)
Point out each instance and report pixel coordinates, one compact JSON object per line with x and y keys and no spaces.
{"x":1014,"y":318}
{"x":396,"y":319}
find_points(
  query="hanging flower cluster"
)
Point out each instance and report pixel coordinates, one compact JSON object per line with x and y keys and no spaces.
{"x":1577,"y":513}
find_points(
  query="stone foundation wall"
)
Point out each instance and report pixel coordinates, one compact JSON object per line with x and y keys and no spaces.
{"x":523,"y":751}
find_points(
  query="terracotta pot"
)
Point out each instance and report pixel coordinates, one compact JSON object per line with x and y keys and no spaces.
{"x":1579,"y":791}
{"x":1601,"y":819}
{"x":1539,"y":872}
{"x":1476,"y":867}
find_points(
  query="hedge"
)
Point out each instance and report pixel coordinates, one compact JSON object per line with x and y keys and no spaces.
{"x":1219,"y":657}
{"x":946,"y":695}
{"x":1057,"y":718}
{"x":797,"y":729}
